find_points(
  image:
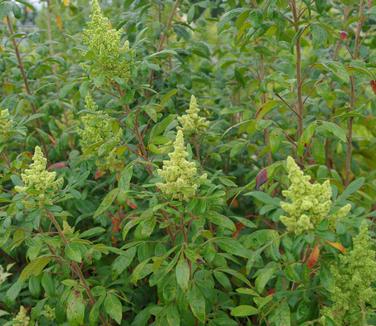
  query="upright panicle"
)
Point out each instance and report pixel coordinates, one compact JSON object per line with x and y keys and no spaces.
{"x":192,"y":122}
{"x":180,"y":177}
{"x":307,"y":203}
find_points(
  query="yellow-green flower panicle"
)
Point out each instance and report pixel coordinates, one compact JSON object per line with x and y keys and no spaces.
{"x":49,"y":312}
{"x":108,"y":58}
{"x":100,"y":137}
{"x":307,"y":203}
{"x":191,"y":122}
{"x":22,"y":319}
{"x":352,"y":293}
{"x":4,"y":274}
{"x":40,"y":183}
{"x":180,"y":177}
{"x":6,"y":124}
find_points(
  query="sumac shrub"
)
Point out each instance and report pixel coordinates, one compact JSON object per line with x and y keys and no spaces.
{"x":187,"y":162}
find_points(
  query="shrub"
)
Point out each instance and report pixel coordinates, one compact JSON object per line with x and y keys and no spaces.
{"x":187,"y":163}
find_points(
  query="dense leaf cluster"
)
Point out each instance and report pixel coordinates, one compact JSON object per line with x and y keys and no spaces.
{"x":186,"y":162}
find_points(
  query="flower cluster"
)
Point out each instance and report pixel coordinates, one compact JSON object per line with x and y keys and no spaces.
{"x":6,"y":124}
{"x":100,"y":136}
{"x":108,"y":58}
{"x":38,"y":182}
{"x":308,"y":203}
{"x":180,"y":176}
{"x":352,"y":292}
{"x":22,"y":319}
{"x":4,"y":274}
{"x":191,"y":122}
{"x":48,"y":312}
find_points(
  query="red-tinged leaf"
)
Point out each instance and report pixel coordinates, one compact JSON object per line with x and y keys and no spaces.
{"x":98,"y":174}
{"x":116,"y":224}
{"x":57,"y":166}
{"x":337,"y":245}
{"x":343,"y":35}
{"x":373,"y":85}
{"x":59,"y":22}
{"x":131,"y":204}
{"x":52,"y":139}
{"x":313,"y":257}
{"x":233,"y":202}
{"x":239,"y":226}
{"x":261,"y":178}
{"x":271,"y":291}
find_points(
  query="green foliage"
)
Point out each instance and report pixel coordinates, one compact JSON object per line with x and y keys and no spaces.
{"x":352,"y":294}
{"x":126,"y":201}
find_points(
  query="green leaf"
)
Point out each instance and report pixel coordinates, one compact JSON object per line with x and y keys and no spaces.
{"x":151,"y":111}
{"x":243,"y":311}
{"x":167,"y":96}
{"x":34,"y":286}
{"x":75,"y":309}
{"x":266,"y":108}
{"x":161,"y":127}
{"x":221,"y":220}
{"x":161,"y":53}
{"x":125,"y":178}
{"x":305,"y":139}
{"x":265,"y":275}
{"x":228,"y":16}
{"x":182,"y":273}
{"x":73,"y":252}
{"x":319,"y":35}
{"x":6,"y":8}
{"x":66,"y":89}
{"x":123,"y":261}
{"x":264,"y":198}
{"x":281,"y":315}
{"x":191,"y":14}
{"x":19,"y":237}
{"x":233,"y":247}
{"x":173,"y":317}
{"x":3,"y":313}
{"x":13,"y":292}
{"x":334,"y":129}
{"x":222,"y":279}
{"x":128,"y":227}
{"x":244,"y":221}
{"x":34,"y":268}
{"x":144,"y":315}
{"x":107,"y":201}
{"x":236,"y":274}
{"x":351,"y":188}
{"x":48,"y":284}
{"x":197,"y":303}
{"x":262,"y":301}
{"x":247,"y":291}
{"x":113,"y":307}
{"x":147,"y":226}
{"x":339,"y":70}
{"x":92,"y":232}
{"x":95,"y":312}
{"x":142,"y":270}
